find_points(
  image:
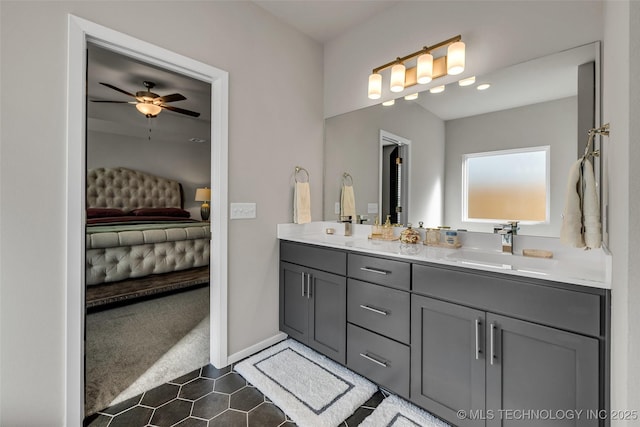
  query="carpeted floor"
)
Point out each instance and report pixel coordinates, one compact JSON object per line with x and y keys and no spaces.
{"x":137,"y":347}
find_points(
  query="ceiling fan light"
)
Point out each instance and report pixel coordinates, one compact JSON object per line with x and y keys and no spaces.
{"x":148,"y":109}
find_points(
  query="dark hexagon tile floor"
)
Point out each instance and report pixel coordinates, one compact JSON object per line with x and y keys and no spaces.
{"x":207,"y":397}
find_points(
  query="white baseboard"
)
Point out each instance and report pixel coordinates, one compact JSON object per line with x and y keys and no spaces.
{"x":249,"y":351}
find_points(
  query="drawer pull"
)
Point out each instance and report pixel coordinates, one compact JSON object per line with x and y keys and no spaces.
{"x":375,"y":270}
{"x":375,"y":310}
{"x":371,"y":359}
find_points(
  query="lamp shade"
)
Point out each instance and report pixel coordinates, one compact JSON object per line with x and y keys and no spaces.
{"x":397,"y":78}
{"x":424,"y":72}
{"x":148,"y":109}
{"x":203,"y":194}
{"x":455,"y":58}
{"x":375,"y":86}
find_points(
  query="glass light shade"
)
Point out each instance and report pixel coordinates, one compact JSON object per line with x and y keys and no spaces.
{"x":375,"y":86}
{"x":411,"y":97}
{"x":424,"y":73}
{"x":468,"y":81}
{"x":203,"y":194}
{"x":437,"y":89}
{"x":455,"y":58}
{"x":389,"y":103}
{"x":148,"y":109}
{"x":397,"y":78}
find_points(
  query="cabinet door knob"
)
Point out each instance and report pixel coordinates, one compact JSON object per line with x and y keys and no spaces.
{"x":376,"y":361}
{"x":375,"y":310}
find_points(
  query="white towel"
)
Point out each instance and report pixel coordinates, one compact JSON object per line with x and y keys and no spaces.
{"x":581,"y":216}
{"x":348,"y":202}
{"x":302,"y":203}
{"x":592,"y":229}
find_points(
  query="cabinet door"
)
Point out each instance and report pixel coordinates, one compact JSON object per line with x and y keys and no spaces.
{"x":447,"y":360}
{"x":294,"y":312}
{"x":328,"y":315}
{"x":541,"y":370}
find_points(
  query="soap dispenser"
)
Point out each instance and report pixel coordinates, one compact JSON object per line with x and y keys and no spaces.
{"x":387,"y":229}
{"x":376,"y":229}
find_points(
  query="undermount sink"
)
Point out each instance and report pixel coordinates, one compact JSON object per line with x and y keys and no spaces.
{"x":501,"y":261}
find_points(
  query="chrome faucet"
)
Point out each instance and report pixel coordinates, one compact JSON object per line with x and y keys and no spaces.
{"x":507,"y":231}
{"x":347,"y":225}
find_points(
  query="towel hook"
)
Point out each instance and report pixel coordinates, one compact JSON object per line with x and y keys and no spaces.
{"x":347,"y":179}
{"x":298,"y":170}
{"x":602,"y":130}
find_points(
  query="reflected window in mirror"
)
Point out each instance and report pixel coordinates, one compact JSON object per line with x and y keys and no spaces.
{"x":507,"y":185}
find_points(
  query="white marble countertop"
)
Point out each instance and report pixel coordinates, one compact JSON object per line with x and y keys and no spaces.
{"x":480,"y":251}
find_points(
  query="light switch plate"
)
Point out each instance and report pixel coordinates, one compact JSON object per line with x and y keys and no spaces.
{"x":372,"y":208}
{"x":243,"y":210}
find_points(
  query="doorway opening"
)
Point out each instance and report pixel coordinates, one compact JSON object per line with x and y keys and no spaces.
{"x":394,"y":178}
{"x":80,"y":33}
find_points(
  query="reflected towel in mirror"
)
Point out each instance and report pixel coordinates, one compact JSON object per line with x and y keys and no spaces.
{"x":347,"y":202}
{"x":302,"y":203}
{"x":581,"y":216}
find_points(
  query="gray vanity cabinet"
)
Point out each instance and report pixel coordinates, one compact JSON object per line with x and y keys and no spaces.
{"x":312,"y":301}
{"x":496,"y":369}
{"x":540,"y":368}
{"x":447,"y":359}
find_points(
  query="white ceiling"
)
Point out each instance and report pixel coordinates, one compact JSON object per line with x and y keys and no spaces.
{"x":324,"y":20}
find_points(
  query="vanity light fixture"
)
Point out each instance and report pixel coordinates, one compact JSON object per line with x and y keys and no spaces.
{"x":468,"y":81}
{"x":389,"y":103}
{"x":483,"y":86}
{"x":427,"y":68}
{"x":411,"y":97}
{"x":437,"y":89}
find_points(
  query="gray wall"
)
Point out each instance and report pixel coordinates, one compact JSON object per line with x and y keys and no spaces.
{"x":186,"y":162}
{"x":551,"y":123}
{"x":275,"y":123}
{"x":352,"y":145}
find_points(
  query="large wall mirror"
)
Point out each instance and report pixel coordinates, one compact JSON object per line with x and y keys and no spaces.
{"x":545,"y":102}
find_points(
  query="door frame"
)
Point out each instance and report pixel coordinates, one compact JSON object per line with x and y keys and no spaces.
{"x":79,"y":32}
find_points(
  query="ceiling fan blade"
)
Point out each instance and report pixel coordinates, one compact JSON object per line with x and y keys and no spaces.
{"x":114,"y":102}
{"x":169,"y":98}
{"x":117,"y":88}
{"x":181,"y":110}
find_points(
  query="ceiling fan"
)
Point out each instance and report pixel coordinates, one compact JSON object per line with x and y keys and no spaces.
{"x":151,"y":104}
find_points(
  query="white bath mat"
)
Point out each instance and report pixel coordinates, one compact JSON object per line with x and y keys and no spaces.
{"x":311,"y":389}
{"x":396,"y":412}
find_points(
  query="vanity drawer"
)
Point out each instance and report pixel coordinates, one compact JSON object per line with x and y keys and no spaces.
{"x":330,"y":260}
{"x":561,"y":308}
{"x":380,"y":359}
{"x":380,"y":309}
{"x":396,"y":274}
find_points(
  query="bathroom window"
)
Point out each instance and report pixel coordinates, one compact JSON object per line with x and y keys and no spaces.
{"x":507,"y":185}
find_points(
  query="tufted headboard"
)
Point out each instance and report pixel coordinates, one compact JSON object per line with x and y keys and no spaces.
{"x":129,"y":189}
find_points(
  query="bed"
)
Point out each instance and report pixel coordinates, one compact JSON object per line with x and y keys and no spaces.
{"x":139,"y":238}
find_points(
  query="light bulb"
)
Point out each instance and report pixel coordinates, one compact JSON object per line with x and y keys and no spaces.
{"x":455,"y":58}
{"x":424,"y":72}
{"x":375,"y":86}
{"x":397,"y":78}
